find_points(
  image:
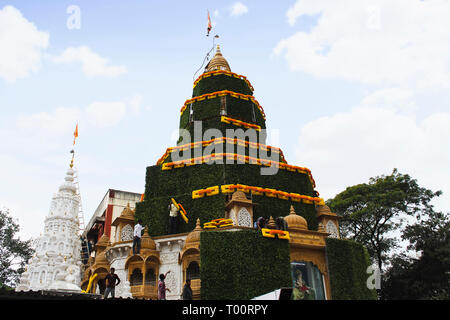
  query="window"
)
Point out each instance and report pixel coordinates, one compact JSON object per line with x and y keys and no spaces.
{"x":136,"y":277}
{"x":193,"y":271}
{"x":150,"y":277}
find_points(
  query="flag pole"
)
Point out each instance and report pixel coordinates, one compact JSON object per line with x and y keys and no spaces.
{"x":209,"y":28}
{"x":75,"y":136}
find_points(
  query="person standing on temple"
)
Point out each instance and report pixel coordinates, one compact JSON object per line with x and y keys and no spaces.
{"x":111,"y":283}
{"x":162,"y":286}
{"x":137,"y":237}
{"x":187,"y":291}
{"x":173,"y":215}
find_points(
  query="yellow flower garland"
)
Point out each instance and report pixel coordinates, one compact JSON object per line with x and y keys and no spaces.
{"x":234,"y":156}
{"x":240,"y":142}
{"x":223,"y":93}
{"x":240,"y":123}
{"x":231,"y":188}
{"x":271,"y":233}
{"x":225,"y":72}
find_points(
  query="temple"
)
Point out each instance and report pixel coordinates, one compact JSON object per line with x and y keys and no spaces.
{"x":225,"y":184}
{"x":56,"y":263}
{"x":221,"y":208}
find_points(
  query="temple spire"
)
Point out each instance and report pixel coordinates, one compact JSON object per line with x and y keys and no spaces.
{"x":218,"y":62}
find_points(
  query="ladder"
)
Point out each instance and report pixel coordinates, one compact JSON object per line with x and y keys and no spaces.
{"x":85,"y":252}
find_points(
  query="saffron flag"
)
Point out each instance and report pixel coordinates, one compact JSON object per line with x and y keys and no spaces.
{"x":209,"y":24}
{"x":142,"y":197}
{"x":75,"y":134}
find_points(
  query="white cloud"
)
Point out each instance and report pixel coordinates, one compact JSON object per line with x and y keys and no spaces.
{"x":350,"y":147}
{"x":238,"y":9}
{"x":105,"y":114}
{"x":43,"y":130}
{"x":92,"y":63}
{"x":376,"y":42}
{"x":21,"y":45}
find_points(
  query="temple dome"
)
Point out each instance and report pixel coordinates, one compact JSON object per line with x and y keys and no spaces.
{"x":103,"y":242}
{"x":218,"y":62}
{"x":239,"y":195}
{"x":127,"y":212}
{"x":324,"y":210}
{"x":194,"y":235}
{"x":295,"y":221}
{"x":146,"y":241}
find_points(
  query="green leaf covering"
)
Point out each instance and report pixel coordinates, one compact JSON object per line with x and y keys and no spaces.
{"x":242,"y":265}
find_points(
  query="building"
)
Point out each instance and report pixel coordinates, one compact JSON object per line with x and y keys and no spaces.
{"x":219,"y":196}
{"x":56,"y":263}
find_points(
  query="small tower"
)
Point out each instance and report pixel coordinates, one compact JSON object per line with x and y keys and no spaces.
{"x":240,"y":210}
{"x":124,"y":225}
{"x":190,"y":260}
{"x":329,"y":220}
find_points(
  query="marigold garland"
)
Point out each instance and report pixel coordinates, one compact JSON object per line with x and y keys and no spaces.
{"x":235,"y":156}
{"x":231,"y":188}
{"x":218,"y":223}
{"x":225,"y":72}
{"x":271,"y":233}
{"x":205,"y":143}
{"x":240,"y":123}
{"x":224,"y":93}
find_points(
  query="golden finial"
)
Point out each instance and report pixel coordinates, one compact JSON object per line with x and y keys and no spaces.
{"x":218,"y":62}
{"x":271,"y":224}
{"x":292,"y":211}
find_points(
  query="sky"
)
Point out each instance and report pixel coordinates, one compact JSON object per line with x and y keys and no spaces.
{"x":351,"y":89}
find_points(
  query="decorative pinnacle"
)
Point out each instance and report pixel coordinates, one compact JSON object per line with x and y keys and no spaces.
{"x":292,"y":211}
{"x":73,"y":155}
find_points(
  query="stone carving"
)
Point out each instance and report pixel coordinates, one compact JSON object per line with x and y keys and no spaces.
{"x":332,"y":229}
{"x":172,"y":282}
{"x":168,"y":258}
{"x":244,"y":219}
{"x":127,"y":233}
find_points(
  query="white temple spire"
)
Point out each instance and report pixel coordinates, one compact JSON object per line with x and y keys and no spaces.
{"x":57,"y":260}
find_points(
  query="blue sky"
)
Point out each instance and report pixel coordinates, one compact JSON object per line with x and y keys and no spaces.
{"x":353,"y":90}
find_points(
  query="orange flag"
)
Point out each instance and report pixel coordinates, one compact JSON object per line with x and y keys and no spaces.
{"x":209,"y":24}
{"x":142,"y":197}
{"x":75,"y":134}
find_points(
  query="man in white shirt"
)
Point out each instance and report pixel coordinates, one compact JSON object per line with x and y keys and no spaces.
{"x":173,"y":214}
{"x":137,"y":237}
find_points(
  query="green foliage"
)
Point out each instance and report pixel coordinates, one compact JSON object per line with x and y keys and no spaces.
{"x":371,"y":210}
{"x":424,"y":277}
{"x":347,"y":266}
{"x":241,"y":265}
{"x":155,"y":214}
{"x":161,"y":185}
{"x":208,"y":110}
{"x":221,"y":82}
{"x":14,"y":253}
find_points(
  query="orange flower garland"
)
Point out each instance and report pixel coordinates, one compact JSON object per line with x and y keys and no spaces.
{"x":225,"y":72}
{"x":231,"y":188}
{"x":240,"y":123}
{"x":241,"y":142}
{"x":234,"y":156}
{"x":223,"y":93}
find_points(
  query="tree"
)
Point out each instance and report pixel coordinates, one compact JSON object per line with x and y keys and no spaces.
{"x":425,"y":277}
{"x":371,"y":211}
{"x":14,"y":253}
